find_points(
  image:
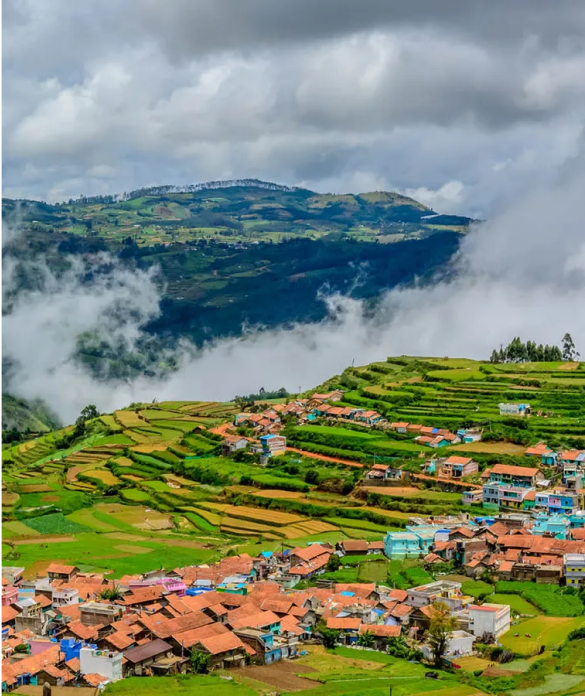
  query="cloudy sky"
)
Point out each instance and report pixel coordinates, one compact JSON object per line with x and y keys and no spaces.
{"x":463,"y":104}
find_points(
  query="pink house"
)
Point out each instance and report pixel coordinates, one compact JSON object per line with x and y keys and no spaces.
{"x":173,"y":586}
{"x":9,"y":594}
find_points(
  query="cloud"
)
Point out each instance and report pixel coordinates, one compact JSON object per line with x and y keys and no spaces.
{"x":522,"y":273}
{"x":413,"y":96}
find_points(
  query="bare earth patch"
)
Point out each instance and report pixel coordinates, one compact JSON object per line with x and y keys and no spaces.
{"x":44,"y":540}
{"x":282,"y":675}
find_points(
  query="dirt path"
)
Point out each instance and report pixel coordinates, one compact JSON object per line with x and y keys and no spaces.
{"x":43,"y":540}
{"x":325,"y":458}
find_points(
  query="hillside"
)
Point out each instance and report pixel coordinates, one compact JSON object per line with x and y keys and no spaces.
{"x":22,"y":415}
{"x":238,"y":212}
{"x":241,"y":253}
{"x":157,"y":470}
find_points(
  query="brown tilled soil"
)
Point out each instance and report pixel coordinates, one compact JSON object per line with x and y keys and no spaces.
{"x":282,"y":675}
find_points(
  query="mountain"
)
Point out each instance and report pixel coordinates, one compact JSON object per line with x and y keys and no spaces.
{"x":34,"y":416}
{"x":235,"y":253}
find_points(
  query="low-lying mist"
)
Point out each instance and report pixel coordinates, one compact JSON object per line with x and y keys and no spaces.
{"x":522,"y":273}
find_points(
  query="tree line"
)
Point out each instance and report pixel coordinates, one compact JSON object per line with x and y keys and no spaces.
{"x":519,"y":352}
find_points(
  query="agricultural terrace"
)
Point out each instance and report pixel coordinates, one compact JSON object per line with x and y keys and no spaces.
{"x":158,"y":474}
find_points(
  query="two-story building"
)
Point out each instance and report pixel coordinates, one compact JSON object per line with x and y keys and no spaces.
{"x":458,"y":467}
{"x":505,"y":495}
{"x":574,"y":568}
{"x":489,"y":620}
{"x":516,"y":475}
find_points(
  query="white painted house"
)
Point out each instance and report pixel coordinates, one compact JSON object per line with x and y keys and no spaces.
{"x":104,"y":662}
{"x":493,"y":619}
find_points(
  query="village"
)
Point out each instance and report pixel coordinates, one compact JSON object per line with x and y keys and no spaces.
{"x":492,"y":576}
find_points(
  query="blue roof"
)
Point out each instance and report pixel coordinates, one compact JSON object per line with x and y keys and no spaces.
{"x":347,"y":594}
{"x":267,"y":554}
{"x":267,"y":437}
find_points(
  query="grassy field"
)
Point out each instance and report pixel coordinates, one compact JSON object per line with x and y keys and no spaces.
{"x":549,"y":631}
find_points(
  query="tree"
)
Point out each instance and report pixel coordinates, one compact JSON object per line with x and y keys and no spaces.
{"x":569,"y":352}
{"x":200,"y":661}
{"x":441,"y":626}
{"x":312,"y":476}
{"x":366,"y":639}
{"x":333,"y":563}
{"x":330,"y":637}
{"x":111,"y":593}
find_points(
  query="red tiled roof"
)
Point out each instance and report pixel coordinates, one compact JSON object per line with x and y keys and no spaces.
{"x":216,"y":645}
{"x":61,"y":569}
{"x":189,"y":638}
{"x":514,"y":470}
{"x":257,"y":620}
{"x":458,"y":460}
{"x":94,"y":679}
{"x":343,"y":624}
{"x":307,"y":553}
{"x":399,"y":595}
{"x":354,"y":545}
{"x":9,"y":613}
{"x":120,"y":640}
{"x":82,"y":631}
{"x":381,"y":631}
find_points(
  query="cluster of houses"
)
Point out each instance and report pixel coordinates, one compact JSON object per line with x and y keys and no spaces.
{"x":269,"y":421}
{"x":432,"y":436}
{"x":513,"y":546}
{"x":59,"y":629}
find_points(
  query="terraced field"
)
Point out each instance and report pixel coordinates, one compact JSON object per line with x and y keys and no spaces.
{"x":155,"y":470}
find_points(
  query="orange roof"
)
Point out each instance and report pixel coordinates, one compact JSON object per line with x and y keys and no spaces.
{"x":120,"y":640}
{"x":83,"y":631}
{"x":189,"y":638}
{"x":9,"y":613}
{"x":381,"y":631}
{"x":61,"y":569}
{"x":458,"y":460}
{"x":401,"y":610}
{"x":73,"y":664}
{"x":43,"y":601}
{"x":309,"y":552}
{"x":360,"y":589}
{"x":399,"y":595}
{"x":344,"y":624}
{"x":94,"y":679}
{"x":221,"y":643}
{"x":32,"y":664}
{"x":514,"y":470}
{"x":571,"y":455}
{"x":355,"y":545}
{"x":257,"y":620}
{"x":162,"y":627}
{"x":400,"y":425}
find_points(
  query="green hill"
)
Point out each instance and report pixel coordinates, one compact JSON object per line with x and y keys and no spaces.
{"x":233,"y":253}
{"x":34,"y":416}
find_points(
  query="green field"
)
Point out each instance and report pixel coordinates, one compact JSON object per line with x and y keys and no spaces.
{"x":549,"y":631}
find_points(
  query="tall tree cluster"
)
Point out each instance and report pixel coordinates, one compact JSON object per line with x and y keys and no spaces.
{"x":519,"y":352}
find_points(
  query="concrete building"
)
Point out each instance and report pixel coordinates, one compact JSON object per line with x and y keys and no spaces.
{"x":104,"y":662}
{"x":489,"y":619}
{"x":514,"y":409}
{"x":574,"y":568}
{"x":505,"y":495}
{"x":94,"y":613}
{"x":64,"y":597}
{"x":460,"y":644}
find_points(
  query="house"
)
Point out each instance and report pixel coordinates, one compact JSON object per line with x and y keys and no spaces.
{"x":556,"y":526}
{"x":558,"y":501}
{"x":226,"y":650}
{"x":443,"y":591}
{"x":516,"y":475}
{"x":544,"y":453}
{"x":505,"y":495}
{"x":233,"y":443}
{"x":57,"y":571}
{"x":574,"y":568}
{"x":273,"y":445}
{"x":459,"y":644}
{"x":470,"y":435}
{"x":9,"y":595}
{"x":12,"y":574}
{"x":64,"y":597}
{"x":95,"y":613}
{"x":139,"y":660}
{"x":104,"y":662}
{"x":416,"y":540}
{"x":489,"y":620}
{"x":458,"y":467}
{"x":473,"y":496}
{"x":267,"y":647}
{"x":349,"y":628}
{"x":514,"y":409}
{"x":400,"y":427}
{"x":572,"y":457}
{"x":335,"y":395}
{"x":382,"y":633}
{"x":353,"y":547}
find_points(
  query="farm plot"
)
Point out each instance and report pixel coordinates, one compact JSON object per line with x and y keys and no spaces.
{"x":136,"y":516}
{"x":123,"y":461}
{"x":103,"y":475}
{"x":129,"y":419}
{"x":549,"y":631}
{"x":270,"y":517}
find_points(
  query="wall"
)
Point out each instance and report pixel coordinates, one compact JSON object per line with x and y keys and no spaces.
{"x":109,"y":665}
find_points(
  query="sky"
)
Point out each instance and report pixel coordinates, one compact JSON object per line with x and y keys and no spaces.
{"x":465,"y":105}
